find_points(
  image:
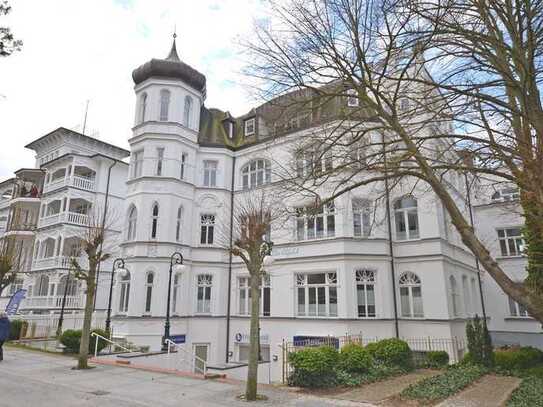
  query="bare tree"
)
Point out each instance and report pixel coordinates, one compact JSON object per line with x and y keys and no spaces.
{"x":8,"y":43}
{"x":248,"y":239}
{"x":92,"y":245}
{"x":419,"y":81}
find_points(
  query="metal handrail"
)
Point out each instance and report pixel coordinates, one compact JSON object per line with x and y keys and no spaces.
{"x":98,"y":337}
{"x":194,"y":358}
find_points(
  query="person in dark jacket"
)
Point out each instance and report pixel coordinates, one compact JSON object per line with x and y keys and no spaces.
{"x":4,"y":332}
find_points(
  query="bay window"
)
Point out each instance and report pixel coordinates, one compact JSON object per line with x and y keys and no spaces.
{"x":315,"y":223}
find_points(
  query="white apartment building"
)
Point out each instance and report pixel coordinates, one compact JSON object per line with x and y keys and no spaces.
{"x":339,"y":272}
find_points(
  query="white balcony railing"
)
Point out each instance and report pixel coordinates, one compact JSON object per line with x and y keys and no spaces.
{"x":76,"y":181}
{"x":75,"y":301}
{"x":55,"y":262}
{"x":80,"y":219}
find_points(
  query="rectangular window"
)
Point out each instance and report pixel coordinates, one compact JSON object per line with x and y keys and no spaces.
{"x":511,"y":241}
{"x":207,"y":228}
{"x":517,"y":310}
{"x":182,"y":174}
{"x":138,"y":164}
{"x":317,"y":294}
{"x":249,"y":127}
{"x":315,"y":223}
{"x":352,"y":98}
{"x":160,"y":160}
{"x":205,"y":283}
{"x":210,"y":173}
{"x":365,"y":292}
{"x":244,"y":289}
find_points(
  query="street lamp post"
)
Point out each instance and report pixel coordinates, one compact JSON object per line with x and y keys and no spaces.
{"x":177,"y":260}
{"x":61,"y":317}
{"x":118,"y":264}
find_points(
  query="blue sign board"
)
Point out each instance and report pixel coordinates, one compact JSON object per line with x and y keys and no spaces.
{"x":15,"y":301}
{"x":303,"y":340}
{"x":178,"y":338}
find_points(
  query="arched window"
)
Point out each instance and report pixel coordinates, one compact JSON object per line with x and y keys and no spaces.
{"x":164,"y":104}
{"x":455,"y":296}
{"x":154,"y":222}
{"x":411,"y":295}
{"x":42,"y":286}
{"x":149,"y":291}
{"x":143,"y":108}
{"x":365,"y":292}
{"x":176,"y":292}
{"x":124,"y":296}
{"x":187,"y":111}
{"x":178,"y":224}
{"x":467,"y":295}
{"x":256,"y":173}
{"x":132,"y":223}
{"x":69,"y":284}
{"x":361,"y":217}
{"x":406,"y":218}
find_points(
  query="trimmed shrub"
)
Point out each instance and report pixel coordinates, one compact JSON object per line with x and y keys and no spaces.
{"x":71,"y":339}
{"x":392,"y":352}
{"x":444,"y":385}
{"x":17,"y":329}
{"x":353,"y":358}
{"x":314,"y":367}
{"x":508,"y":360}
{"x":437,"y":359}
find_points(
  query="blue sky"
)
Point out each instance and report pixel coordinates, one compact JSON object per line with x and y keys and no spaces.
{"x":77,"y":50}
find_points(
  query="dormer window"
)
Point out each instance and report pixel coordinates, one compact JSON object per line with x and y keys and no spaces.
{"x":249,"y":127}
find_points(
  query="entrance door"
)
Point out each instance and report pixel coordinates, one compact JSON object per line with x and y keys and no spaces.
{"x":200,"y":351}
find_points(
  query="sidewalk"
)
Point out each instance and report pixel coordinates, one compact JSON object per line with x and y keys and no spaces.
{"x":29,"y":378}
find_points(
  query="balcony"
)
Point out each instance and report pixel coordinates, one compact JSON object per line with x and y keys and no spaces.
{"x":54,"y":302}
{"x":76,"y":181}
{"x":53,"y":262}
{"x":21,"y":228}
{"x":74,"y":218}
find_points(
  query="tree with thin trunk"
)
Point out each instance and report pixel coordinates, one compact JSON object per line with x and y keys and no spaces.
{"x":417,"y":94}
{"x":92,"y":245}
{"x":252,"y":218}
{"x":8,"y":43}
{"x":8,"y":262}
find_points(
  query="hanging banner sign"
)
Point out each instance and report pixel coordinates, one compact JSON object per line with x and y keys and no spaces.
{"x":15,"y":302}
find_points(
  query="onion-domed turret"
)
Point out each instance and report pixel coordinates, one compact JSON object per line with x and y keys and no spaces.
{"x":171,"y":67}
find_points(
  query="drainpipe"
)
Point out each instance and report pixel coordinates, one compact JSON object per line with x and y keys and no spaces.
{"x":229,"y":295}
{"x":103,"y":225}
{"x":390,"y":243}
{"x":477,"y":265}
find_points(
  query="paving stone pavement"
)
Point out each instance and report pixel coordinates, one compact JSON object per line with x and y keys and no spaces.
{"x":30,"y":378}
{"x":380,"y":391}
{"x":489,"y":391}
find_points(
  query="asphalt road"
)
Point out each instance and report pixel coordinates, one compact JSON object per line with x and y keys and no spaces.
{"x":30,"y":378}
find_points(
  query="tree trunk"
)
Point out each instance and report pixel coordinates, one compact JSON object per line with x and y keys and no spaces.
{"x":254,"y":340}
{"x":87,"y":321}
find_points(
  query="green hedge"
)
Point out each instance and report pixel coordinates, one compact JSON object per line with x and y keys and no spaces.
{"x":528,"y":394}
{"x":71,"y":339}
{"x":511,"y":360}
{"x":354,"y":358}
{"x":444,"y":385}
{"x":392,"y":352}
{"x":17,"y":329}
{"x":437,"y":359}
{"x":314,"y":367}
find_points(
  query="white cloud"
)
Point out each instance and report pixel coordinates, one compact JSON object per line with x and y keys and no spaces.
{"x":76,"y":50}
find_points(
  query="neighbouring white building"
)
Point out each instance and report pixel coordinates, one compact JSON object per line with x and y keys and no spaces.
{"x":335,"y":273}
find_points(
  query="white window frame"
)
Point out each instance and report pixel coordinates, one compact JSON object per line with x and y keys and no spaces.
{"x":143,"y":108}
{"x":311,"y":289}
{"x":187,"y":111}
{"x":149,"y":292}
{"x":517,"y":310}
{"x":179,"y":224}
{"x":256,"y":173}
{"x":124,"y":293}
{"x":204,"y":286}
{"x":154,"y":220}
{"x":138,"y":164}
{"x":362,"y":214}
{"x":410,"y":281}
{"x":159,"y":161}
{"x":352,"y":98}
{"x":403,"y":213}
{"x":511,"y":245}
{"x":308,"y":220}
{"x":165,"y":99}
{"x":182,"y":172}
{"x":244,"y":296}
{"x":132,"y":223}
{"x":365,"y":278}
{"x":210,"y":173}
{"x":249,"y":127}
{"x":176,"y":294}
{"x":455,"y":296}
{"x":207,"y":221}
